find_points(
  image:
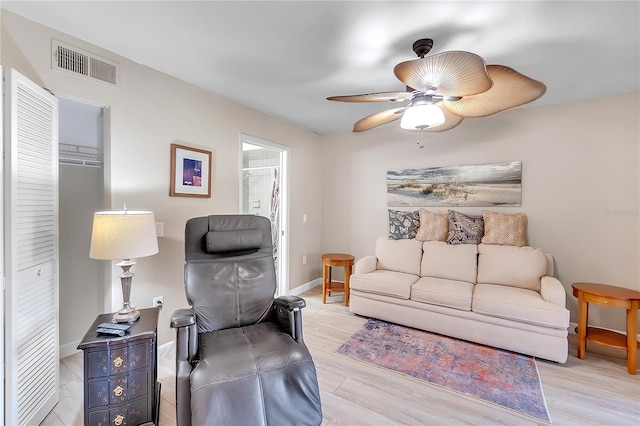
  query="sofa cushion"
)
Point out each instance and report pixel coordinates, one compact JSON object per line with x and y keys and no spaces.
{"x":386,"y":283}
{"x":505,"y":229}
{"x":443,"y":292}
{"x":464,"y":229}
{"x":433,"y":226}
{"x":403,"y":225}
{"x":518,"y":304}
{"x":399,"y":255}
{"x":511,"y":266}
{"x":454,"y":262}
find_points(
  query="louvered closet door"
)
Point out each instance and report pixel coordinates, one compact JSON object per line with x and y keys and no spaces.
{"x":31,"y":250}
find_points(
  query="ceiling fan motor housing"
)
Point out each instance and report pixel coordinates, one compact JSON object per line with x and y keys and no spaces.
{"x":422,"y":47}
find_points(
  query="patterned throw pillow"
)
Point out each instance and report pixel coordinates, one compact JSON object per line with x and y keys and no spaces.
{"x":505,"y":229}
{"x":433,"y":226}
{"x":403,"y":225}
{"x":464,"y":229}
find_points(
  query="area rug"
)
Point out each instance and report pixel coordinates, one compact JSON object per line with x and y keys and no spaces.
{"x":500,"y":377}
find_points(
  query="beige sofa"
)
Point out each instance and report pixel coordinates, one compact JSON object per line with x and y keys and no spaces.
{"x":495,"y":295}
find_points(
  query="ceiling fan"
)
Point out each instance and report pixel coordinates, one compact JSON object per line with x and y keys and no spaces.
{"x":445,"y":88}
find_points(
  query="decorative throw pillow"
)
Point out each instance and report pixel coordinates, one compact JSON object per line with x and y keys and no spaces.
{"x":403,"y":225}
{"x":433,"y":226}
{"x":505,"y":229}
{"x":464,"y":229}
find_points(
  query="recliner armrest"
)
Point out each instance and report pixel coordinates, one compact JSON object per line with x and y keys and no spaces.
{"x":184,"y":321}
{"x":289,"y":315}
{"x":183,"y":393}
{"x":290,"y":302}
{"x":183,"y":318}
{"x":552,"y":291}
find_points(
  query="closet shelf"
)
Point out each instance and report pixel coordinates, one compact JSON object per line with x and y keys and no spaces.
{"x":79,"y":155}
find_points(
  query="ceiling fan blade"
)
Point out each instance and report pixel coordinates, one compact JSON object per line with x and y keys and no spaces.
{"x":378,"y":119}
{"x":510,"y":89}
{"x":373,"y":97}
{"x":453,"y":73}
{"x":450,"y":121}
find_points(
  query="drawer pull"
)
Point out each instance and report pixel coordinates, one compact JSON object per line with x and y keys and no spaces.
{"x":117,"y":362}
{"x":118,"y":391}
{"x":118,"y":420}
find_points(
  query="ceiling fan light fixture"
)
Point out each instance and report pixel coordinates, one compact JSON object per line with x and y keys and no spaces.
{"x":446,"y":88}
{"x":422,"y":117}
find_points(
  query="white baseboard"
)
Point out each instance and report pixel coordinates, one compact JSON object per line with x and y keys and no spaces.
{"x":304,"y":287}
{"x":166,"y":349}
{"x":69,"y":349}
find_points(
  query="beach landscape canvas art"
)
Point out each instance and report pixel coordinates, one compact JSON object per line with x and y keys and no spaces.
{"x":480,"y":185}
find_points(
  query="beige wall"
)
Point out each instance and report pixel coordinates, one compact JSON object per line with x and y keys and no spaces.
{"x":580,"y":184}
{"x":580,"y":171}
{"x":148,"y":112}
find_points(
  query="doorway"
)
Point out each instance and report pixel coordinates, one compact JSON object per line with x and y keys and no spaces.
{"x":81,"y":193}
{"x":264,"y":191}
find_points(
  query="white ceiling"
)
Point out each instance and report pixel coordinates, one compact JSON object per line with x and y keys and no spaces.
{"x":285,"y":57}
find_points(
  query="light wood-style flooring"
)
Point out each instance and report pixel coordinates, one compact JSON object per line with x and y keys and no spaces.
{"x":594,"y":391}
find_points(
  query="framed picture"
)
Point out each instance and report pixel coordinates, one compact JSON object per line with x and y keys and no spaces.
{"x":190,"y":172}
{"x":479,"y":185}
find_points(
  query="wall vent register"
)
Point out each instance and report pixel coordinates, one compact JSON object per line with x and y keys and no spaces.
{"x":83,"y":64}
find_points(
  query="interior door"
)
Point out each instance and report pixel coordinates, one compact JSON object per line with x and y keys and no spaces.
{"x":264,"y":191}
{"x":30,"y":245}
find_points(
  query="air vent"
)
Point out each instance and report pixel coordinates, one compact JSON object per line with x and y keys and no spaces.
{"x":83,"y":64}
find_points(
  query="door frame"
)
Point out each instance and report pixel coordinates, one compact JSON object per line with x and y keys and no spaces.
{"x":283,"y":249}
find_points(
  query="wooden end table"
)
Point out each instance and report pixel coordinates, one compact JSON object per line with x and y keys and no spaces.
{"x":336,"y":259}
{"x":121,"y":373}
{"x":610,"y":296}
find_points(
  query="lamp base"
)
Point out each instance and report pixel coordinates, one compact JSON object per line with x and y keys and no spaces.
{"x":126,"y":315}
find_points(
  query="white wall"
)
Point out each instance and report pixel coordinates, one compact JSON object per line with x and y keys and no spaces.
{"x":150,"y":111}
{"x":580,"y":185}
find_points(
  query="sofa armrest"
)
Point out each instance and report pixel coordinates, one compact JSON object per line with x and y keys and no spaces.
{"x":552,"y":291}
{"x":365,"y":265}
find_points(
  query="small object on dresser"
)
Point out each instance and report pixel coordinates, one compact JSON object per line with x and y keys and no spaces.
{"x":115,"y":326}
{"x":113,"y":329}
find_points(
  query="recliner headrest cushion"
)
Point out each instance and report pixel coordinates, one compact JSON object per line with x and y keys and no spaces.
{"x":236,"y":240}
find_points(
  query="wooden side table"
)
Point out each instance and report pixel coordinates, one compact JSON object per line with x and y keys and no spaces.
{"x":336,"y":259}
{"x":615,"y":297}
{"x":120,"y":373}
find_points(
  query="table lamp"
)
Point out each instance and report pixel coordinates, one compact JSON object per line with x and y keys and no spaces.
{"x":124,"y":235}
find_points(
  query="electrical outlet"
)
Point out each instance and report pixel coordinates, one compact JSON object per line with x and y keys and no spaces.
{"x":304,"y":259}
{"x":158,"y":301}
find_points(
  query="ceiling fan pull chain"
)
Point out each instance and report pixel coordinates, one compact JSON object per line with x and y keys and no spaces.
{"x":419,"y":138}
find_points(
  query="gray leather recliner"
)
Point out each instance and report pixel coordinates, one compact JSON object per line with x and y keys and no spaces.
{"x":240,"y":356}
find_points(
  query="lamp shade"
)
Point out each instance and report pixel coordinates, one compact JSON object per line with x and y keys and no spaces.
{"x":421,"y":117}
{"x":123,"y":235}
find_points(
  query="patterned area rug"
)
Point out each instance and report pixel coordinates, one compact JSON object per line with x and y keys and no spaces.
{"x":501,"y":377}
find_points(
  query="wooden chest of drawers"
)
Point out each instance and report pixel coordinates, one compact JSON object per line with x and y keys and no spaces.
{"x":120,"y":373}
